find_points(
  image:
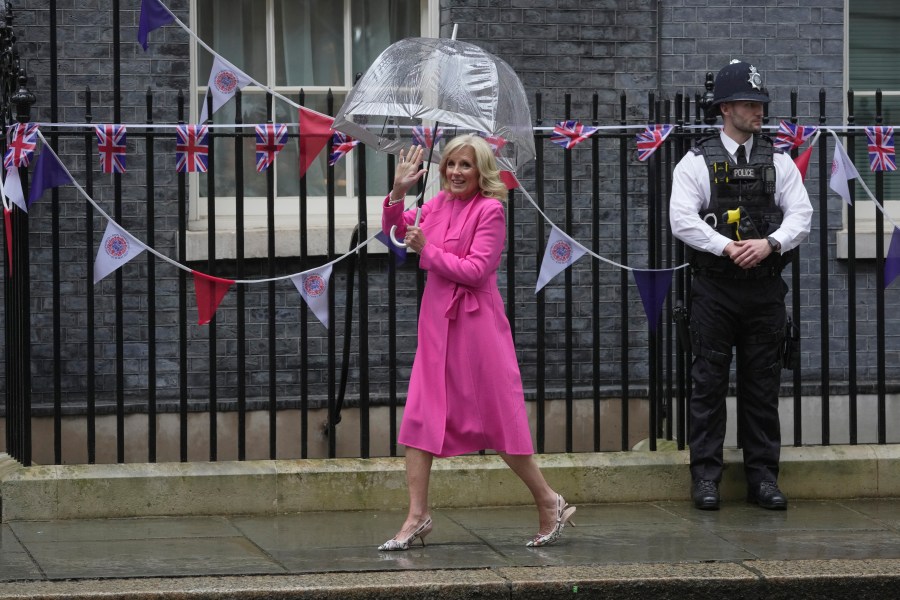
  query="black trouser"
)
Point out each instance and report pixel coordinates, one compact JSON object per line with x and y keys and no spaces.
{"x":748,"y":315}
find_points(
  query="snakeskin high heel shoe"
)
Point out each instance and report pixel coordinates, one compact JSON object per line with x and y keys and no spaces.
{"x":421,"y":530}
{"x":564,"y":513}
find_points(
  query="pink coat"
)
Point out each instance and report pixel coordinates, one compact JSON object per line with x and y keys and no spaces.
{"x":465,"y":391}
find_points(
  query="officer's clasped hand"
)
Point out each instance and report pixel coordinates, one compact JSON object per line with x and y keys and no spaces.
{"x":747,"y":254}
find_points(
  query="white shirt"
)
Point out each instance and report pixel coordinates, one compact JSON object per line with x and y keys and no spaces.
{"x":691,"y":192}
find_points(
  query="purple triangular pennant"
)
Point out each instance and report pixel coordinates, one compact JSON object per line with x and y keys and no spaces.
{"x":892,"y":260}
{"x":153,"y":16}
{"x":654,"y":287}
{"x":48,"y":173}
{"x":399,"y":253}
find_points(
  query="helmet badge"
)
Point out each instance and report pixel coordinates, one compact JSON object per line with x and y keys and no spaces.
{"x":755,"y":78}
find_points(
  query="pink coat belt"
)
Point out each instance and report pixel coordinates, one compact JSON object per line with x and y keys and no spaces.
{"x":461,"y":295}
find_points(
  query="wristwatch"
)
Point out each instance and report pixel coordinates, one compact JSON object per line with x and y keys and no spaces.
{"x":774,"y":244}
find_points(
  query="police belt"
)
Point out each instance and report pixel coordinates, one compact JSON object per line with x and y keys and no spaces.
{"x":761,"y":272}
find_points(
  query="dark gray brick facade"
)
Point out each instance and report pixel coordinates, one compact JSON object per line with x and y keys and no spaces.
{"x":558,"y":47}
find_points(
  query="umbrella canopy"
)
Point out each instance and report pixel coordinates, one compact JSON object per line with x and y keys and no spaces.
{"x":420,"y":82}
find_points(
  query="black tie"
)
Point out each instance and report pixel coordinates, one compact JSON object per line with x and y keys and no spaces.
{"x":741,"y":156}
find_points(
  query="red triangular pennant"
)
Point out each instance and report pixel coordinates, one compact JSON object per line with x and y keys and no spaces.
{"x":7,"y":220}
{"x":802,"y":161}
{"x":210,"y":291}
{"x":315,"y":131}
{"x":509,"y":178}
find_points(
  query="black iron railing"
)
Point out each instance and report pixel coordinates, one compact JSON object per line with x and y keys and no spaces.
{"x":581,"y":340}
{"x":16,"y":108}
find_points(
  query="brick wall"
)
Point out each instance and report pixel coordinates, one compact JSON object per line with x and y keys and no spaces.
{"x":558,"y":47}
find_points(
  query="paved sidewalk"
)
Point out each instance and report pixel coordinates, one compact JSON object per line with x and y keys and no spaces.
{"x":471,"y":553}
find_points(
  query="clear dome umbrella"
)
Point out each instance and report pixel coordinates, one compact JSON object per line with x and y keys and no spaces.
{"x":430,"y":82}
{"x":442,"y":86}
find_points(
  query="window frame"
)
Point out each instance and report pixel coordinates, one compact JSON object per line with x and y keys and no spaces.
{"x":864,"y":209}
{"x":255,"y":230}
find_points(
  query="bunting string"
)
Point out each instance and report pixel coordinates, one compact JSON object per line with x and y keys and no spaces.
{"x":225,"y":79}
{"x":573,"y":132}
{"x":174,"y":262}
{"x":865,"y":188}
{"x":594,"y":254}
{"x":364,"y":243}
{"x":537,"y":128}
{"x":215,"y":54}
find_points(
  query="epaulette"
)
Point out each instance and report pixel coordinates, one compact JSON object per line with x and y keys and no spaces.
{"x":696,"y":149}
{"x":763,"y":136}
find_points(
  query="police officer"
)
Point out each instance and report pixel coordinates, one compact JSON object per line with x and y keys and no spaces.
{"x":737,"y":293}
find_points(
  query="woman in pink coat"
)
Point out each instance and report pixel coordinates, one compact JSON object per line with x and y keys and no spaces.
{"x":465,"y":392}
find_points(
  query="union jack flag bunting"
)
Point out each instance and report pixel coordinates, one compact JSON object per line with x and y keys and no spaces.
{"x":881,"y":148}
{"x":192,"y":148}
{"x":650,"y":139}
{"x":270,"y":139}
{"x":341,"y":144}
{"x":425,"y":136}
{"x":569,"y":134}
{"x":496,"y":142}
{"x":791,"y":135}
{"x":22,"y":143}
{"x":111,"y":146}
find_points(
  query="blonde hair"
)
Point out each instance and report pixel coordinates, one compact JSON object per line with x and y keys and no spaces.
{"x":488,"y":174}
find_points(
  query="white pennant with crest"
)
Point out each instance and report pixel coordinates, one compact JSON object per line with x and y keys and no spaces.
{"x":12,"y":188}
{"x":561,"y":253}
{"x":313,"y":286}
{"x":842,"y":170}
{"x":224,"y":80}
{"x":116,"y":248}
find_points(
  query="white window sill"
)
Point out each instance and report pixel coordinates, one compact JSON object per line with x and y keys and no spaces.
{"x":865,"y":229}
{"x":287,"y":238}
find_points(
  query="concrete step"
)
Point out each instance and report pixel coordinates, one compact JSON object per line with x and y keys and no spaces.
{"x":752,"y":580}
{"x":293,"y":486}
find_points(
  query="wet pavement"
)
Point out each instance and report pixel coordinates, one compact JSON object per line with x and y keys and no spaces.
{"x":812,"y":535}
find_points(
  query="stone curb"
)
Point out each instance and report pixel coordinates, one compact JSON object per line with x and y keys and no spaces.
{"x":774,"y":580}
{"x":291,"y":486}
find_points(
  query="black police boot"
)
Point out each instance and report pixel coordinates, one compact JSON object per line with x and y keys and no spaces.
{"x":705,"y":494}
{"x":767,"y":495}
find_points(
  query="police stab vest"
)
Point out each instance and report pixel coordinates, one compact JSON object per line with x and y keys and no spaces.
{"x":750,"y":188}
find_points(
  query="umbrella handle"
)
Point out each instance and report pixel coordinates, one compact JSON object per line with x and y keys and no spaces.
{"x":394,"y":240}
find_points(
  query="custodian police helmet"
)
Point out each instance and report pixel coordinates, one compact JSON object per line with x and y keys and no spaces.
{"x":738,"y":81}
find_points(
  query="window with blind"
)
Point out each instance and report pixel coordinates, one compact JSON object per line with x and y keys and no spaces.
{"x":872,"y":63}
{"x":289,"y":46}
{"x":872,"y":50}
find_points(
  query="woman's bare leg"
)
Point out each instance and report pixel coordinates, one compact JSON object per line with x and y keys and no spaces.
{"x":418,"y":473}
{"x":528,"y":471}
